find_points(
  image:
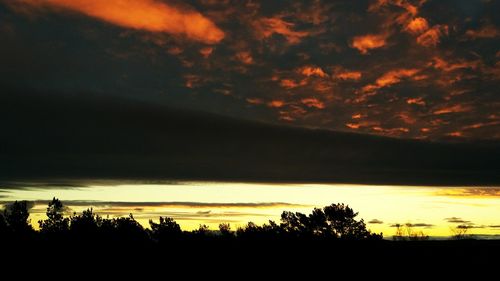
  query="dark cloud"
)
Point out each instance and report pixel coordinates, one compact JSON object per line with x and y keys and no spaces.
{"x":470,"y":226}
{"x":58,"y":183}
{"x":61,"y":138}
{"x":424,"y":225}
{"x":457,"y":220}
{"x":375,"y":221}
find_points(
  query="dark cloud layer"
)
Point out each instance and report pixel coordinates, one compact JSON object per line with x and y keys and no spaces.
{"x":52,"y":138}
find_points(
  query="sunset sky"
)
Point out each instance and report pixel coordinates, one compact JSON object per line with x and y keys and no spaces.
{"x":289,"y":104}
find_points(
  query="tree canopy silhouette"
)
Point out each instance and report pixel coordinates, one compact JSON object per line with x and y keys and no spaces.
{"x":335,"y":222}
{"x":16,"y":218}
{"x":55,"y":222}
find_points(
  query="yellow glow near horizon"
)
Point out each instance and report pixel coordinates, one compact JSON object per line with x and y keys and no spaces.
{"x":390,"y":204}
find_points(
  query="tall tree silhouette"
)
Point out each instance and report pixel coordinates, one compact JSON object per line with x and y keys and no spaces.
{"x":55,"y":223}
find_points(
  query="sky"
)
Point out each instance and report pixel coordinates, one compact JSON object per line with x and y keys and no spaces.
{"x":285,"y":105}
{"x":434,"y":211}
{"x":421,"y":69}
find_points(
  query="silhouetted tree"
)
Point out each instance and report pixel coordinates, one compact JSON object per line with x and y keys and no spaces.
{"x":334,"y":221}
{"x":16,"y":216}
{"x":406,"y":232}
{"x":295,"y":224}
{"x":55,"y":222}
{"x":3,"y":226}
{"x":460,"y":232}
{"x":166,"y":229}
{"x":87,"y":223}
{"x":202,"y":230}
{"x":225,"y":230}
{"x":253,"y":231}
{"x":129,"y":229}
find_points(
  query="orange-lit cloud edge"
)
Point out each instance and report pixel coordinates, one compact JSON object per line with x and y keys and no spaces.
{"x":148,"y":15}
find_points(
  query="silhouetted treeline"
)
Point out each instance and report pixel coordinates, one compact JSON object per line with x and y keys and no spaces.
{"x":335,"y":222}
{"x":326,"y":241}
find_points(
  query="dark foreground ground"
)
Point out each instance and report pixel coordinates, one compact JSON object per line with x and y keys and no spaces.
{"x":253,"y":258}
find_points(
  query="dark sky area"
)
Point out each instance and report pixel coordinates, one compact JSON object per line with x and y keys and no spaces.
{"x":377,"y":91}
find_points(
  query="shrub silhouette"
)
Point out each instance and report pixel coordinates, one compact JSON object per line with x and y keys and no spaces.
{"x":405,"y":232}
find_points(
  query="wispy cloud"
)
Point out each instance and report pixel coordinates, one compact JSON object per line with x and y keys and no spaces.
{"x":131,"y":205}
{"x":471,"y":192}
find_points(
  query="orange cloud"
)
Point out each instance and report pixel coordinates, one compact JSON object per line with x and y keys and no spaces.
{"x":453,"y":109}
{"x":356,"y":126}
{"x":409,"y":7}
{"x":290,"y":83}
{"x":349,"y":75}
{"x":352,"y":126}
{"x":481,"y":125}
{"x":390,"y":78}
{"x":292,"y":113}
{"x":206,"y":52}
{"x":407,"y":118}
{"x":192,"y":81}
{"x":148,"y":15}
{"x":322,"y":86}
{"x":267,"y":27}
{"x":455,"y":134}
{"x":449,"y":67}
{"x":312,"y":71}
{"x":175,"y":51}
{"x":488,"y":31}
{"x":276,"y":103}
{"x":254,"y":101}
{"x":391,"y":131}
{"x":417,"y":101}
{"x":313,"y":102}
{"x":417,"y":26}
{"x":244,"y":57}
{"x":364,"y":43}
{"x":432,"y":36}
